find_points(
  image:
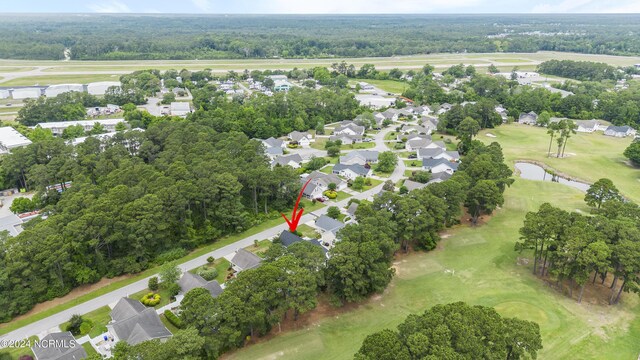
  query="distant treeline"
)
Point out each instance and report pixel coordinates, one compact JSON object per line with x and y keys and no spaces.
{"x":581,"y":70}
{"x":128,"y":37}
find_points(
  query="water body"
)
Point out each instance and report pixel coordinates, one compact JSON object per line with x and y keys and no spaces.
{"x":534,"y":172}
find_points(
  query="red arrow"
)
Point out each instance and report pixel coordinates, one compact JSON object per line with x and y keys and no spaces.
{"x":296,"y":215}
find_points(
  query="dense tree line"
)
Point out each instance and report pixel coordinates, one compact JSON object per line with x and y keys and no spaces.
{"x":574,"y":248}
{"x":455,"y":331}
{"x":126,"y":37}
{"x":133,"y":198}
{"x":580,"y":70}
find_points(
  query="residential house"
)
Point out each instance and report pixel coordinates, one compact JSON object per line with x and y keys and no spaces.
{"x":190,"y":281}
{"x":418,"y":142}
{"x":303,"y":139}
{"x":320,"y":183}
{"x":273,"y":152}
{"x":273,"y":142}
{"x":419,"y":110}
{"x":180,"y":109}
{"x":135,"y":323}
{"x":288,"y":238}
{"x":417,"y":129}
{"x":620,"y":131}
{"x":438,"y":153}
{"x":439,"y":165}
{"x":293,"y":160}
{"x":430,"y":123}
{"x":391,"y":114}
{"x":327,"y":224}
{"x":444,"y":108}
{"x":58,"y":346}
{"x":413,"y":185}
{"x":346,"y":139}
{"x":349,"y":129}
{"x":10,"y":139}
{"x":351,"y":210}
{"x":245,"y":260}
{"x":587,"y":126}
{"x":379,"y":119}
{"x":352,"y":171}
{"x":530,"y":118}
{"x":502,"y":112}
{"x":361,"y":157}
{"x":439,"y":177}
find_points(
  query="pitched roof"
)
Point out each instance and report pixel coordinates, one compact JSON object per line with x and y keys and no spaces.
{"x":273,"y":142}
{"x":413,"y":185}
{"x":368,"y":155}
{"x":351,"y":210}
{"x":438,"y":177}
{"x":141,"y":327}
{"x":322,"y":179}
{"x":62,"y":346}
{"x":431,"y":163}
{"x":297,"y":135}
{"x":288,"y":238}
{"x":273,"y":150}
{"x":126,"y":308}
{"x":245,"y":259}
{"x":429,"y":153}
{"x":343,"y":136}
{"x":309,"y":189}
{"x":356,"y":168}
{"x":286,"y":159}
{"x":355,"y":128}
{"x":619,"y":129}
{"x":414,"y":128}
{"x":190,"y":281}
{"x":329,"y":224}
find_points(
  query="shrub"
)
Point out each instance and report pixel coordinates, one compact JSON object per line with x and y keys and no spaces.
{"x":74,"y":324}
{"x":208,"y":274}
{"x":330,"y":194}
{"x":211,"y":259}
{"x":173,"y":289}
{"x":150,"y":299}
{"x":153,"y":283}
{"x":174,"y":319}
{"x":85,"y":327}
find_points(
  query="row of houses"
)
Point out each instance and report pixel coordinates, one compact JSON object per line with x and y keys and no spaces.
{"x":584,"y":126}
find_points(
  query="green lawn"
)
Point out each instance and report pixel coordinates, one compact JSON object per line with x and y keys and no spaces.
{"x":374,"y":183}
{"x":478,"y":266}
{"x":360,"y":145}
{"x":341,"y":196}
{"x":392,"y":86}
{"x":59,"y":79}
{"x":308,"y":231}
{"x":261,"y":247}
{"x":222,"y":265}
{"x":327,"y":169}
{"x":413,"y":163}
{"x":14,"y":353}
{"x":99,"y":317}
{"x":89,"y":349}
{"x":592,"y":156}
{"x":164,"y":296}
{"x":390,"y":135}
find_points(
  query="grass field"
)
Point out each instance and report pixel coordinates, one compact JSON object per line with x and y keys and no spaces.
{"x":100,"y":318}
{"x":593,"y":156}
{"x":15,"y":353}
{"x":478,"y":266}
{"x":59,"y":79}
{"x":221,"y":265}
{"x":7,"y":327}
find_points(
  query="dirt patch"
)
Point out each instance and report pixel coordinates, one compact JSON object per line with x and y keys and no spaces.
{"x":523,"y":261}
{"x":74,"y":294}
{"x":467,"y":219}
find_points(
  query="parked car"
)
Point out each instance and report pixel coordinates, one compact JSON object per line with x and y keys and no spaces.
{"x":321,"y":199}
{"x":413,"y":156}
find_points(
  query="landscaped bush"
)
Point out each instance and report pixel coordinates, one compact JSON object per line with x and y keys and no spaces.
{"x":74,"y":324}
{"x":292,"y":146}
{"x":150,"y":299}
{"x":173,"y":289}
{"x":208,"y":274}
{"x":85,"y":327}
{"x":211,"y":259}
{"x":174,"y":319}
{"x":330,"y":194}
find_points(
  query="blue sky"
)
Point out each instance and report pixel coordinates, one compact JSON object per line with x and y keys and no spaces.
{"x":323,"y":6}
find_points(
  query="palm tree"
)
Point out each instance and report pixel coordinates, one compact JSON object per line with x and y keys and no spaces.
{"x":570,"y":130}
{"x":551,"y":130}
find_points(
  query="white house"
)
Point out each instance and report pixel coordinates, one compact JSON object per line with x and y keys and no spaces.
{"x":320,"y":183}
{"x":439,"y":165}
{"x":293,"y":160}
{"x":530,"y":118}
{"x":346,"y":139}
{"x":587,"y":126}
{"x":352,"y":171}
{"x":438,"y":153}
{"x":620,"y":131}
{"x":349,"y":129}
{"x":360,"y":157}
{"x":302,"y":138}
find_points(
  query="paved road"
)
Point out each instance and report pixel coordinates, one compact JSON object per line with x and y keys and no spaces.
{"x":50,"y":323}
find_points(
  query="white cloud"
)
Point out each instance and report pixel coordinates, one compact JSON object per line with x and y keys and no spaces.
{"x":368,"y":6}
{"x":203,"y":5}
{"x":110,"y":7}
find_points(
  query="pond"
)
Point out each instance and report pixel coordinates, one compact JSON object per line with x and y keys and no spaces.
{"x":534,"y":172}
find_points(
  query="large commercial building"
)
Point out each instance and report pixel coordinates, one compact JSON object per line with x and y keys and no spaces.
{"x":10,"y":138}
{"x":58,"y":127}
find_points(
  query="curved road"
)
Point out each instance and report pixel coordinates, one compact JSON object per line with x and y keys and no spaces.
{"x":51,"y":323}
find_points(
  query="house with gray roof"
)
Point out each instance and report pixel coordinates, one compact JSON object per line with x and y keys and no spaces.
{"x":273,"y":142}
{"x":287,"y":238}
{"x":244,"y":260}
{"x":346,"y":139}
{"x":190,"y":281}
{"x":417,"y":143}
{"x":273,"y":152}
{"x":293,"y":160}
{"x":323,"y":180}
{"x":352,"y":171}
{"x":438,"y":153}
{"x":587,"y":126}
{"x":413,"y":185}
{"x":620,"y":131}
{"x":408,"y":129}
{"x":439,"y":177}
{"x":351,"y":210}
{"x":58,"y":346}
{"x":349,"y":129}
{"x":439,"y":165}
{"x":327,"y":224}
{"x":302,"y":138}
{"x":361,"y":157}
{"x":135,"y":323}
{"x":530,"y":118}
